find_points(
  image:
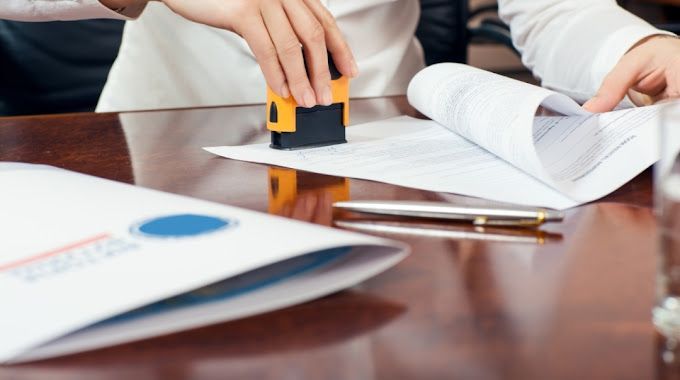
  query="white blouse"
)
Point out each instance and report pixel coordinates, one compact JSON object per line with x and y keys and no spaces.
{"x":62,"y":10}
{"x":167,"y":62}
{"x":571,"y":45}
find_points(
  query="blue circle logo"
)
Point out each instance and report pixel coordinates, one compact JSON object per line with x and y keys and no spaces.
{"x":181,"y":226}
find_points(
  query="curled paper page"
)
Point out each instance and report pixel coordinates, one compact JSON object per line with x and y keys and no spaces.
{"x":485,"y":140}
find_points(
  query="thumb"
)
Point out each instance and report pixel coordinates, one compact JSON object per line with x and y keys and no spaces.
{"x":598,"y":104}
{"x":615,"y":86}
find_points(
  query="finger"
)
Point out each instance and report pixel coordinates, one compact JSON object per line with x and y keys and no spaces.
{"x":311,"y":33}
{"x":652,"y":84}
{"x":335,"y":42}
{"x":324,"y":210}
{"x":668,"y":82}
{"x":304,"y":208}
{"x":289,"y":52}
{"x":616,"y":85}
{"x":256,"y":35}
{"x":669,"y":94}
{"x":649,"y":89}
{"x":673,"y":84}
{"x":640,"y":99}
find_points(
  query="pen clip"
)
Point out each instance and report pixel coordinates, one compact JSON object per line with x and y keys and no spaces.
{"x":482,"y":221}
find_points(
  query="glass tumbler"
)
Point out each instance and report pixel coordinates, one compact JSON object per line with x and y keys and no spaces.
{"x":666,"y":313}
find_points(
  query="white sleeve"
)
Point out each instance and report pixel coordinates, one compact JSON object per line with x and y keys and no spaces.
{"x":571,"y":45}
{"x":62,"y":10}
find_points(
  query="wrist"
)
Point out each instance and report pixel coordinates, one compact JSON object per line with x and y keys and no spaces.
{"x":654,"y":37}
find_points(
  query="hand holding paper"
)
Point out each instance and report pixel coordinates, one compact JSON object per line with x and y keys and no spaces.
{"x":485,"y":141}
{"x":649,"y":73}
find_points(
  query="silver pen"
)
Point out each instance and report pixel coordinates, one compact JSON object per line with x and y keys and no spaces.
{"x":451,"y":231}
{"x":478,"y":216}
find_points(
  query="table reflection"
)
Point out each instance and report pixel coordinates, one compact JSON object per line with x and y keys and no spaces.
{"x":668,"y":358}
{"x":498,"y":310}
{"x":299,"y":338}
{"x":460,"y":306}
{"x":165,"y":149}
{"x":305,"y":196}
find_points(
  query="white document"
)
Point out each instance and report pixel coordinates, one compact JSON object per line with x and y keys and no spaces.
{"x":492,"y":145}
{"x":87,"y":263}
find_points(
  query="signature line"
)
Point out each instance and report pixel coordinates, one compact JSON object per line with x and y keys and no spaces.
{"x":53,"y":252}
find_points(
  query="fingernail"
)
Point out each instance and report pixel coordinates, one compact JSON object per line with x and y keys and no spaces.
{"x":355,"y":68}
{"x":590,"y":101}
{"x":327,"y":96}
{"x":309,"y":99}
{"x":285,"y":92}
{"x":590,"y":105}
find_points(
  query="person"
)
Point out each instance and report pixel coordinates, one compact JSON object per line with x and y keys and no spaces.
{"x":594,"y":51}
{"x":275,"y":30}
{"x":184,"y":64}
{"x":67,"y":10}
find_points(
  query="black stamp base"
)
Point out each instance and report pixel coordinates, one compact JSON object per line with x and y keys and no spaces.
{"x":315,"y":127}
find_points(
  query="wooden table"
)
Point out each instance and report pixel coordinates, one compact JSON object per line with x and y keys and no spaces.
{"x":571,"y":303}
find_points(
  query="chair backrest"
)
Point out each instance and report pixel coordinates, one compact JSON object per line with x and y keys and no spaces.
{"x":443,"y":30}
{"x":55,"y":67}
{"x":668,"y":19}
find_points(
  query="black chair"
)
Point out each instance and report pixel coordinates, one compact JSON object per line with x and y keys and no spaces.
{"x":55,"y":67}
{"x":443,"y":30}
{"x":448,"y":27}
{"x":446,"y":30}
{"x":671,"y":21}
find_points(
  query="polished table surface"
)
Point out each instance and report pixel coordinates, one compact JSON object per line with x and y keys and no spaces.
{"x":571,"y":301}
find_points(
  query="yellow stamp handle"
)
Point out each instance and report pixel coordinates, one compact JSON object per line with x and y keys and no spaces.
{"x":296,"y":127}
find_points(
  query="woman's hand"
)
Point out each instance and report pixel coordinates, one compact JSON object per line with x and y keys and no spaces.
{"x":648,"y":73}
{"x":276,"y":31}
